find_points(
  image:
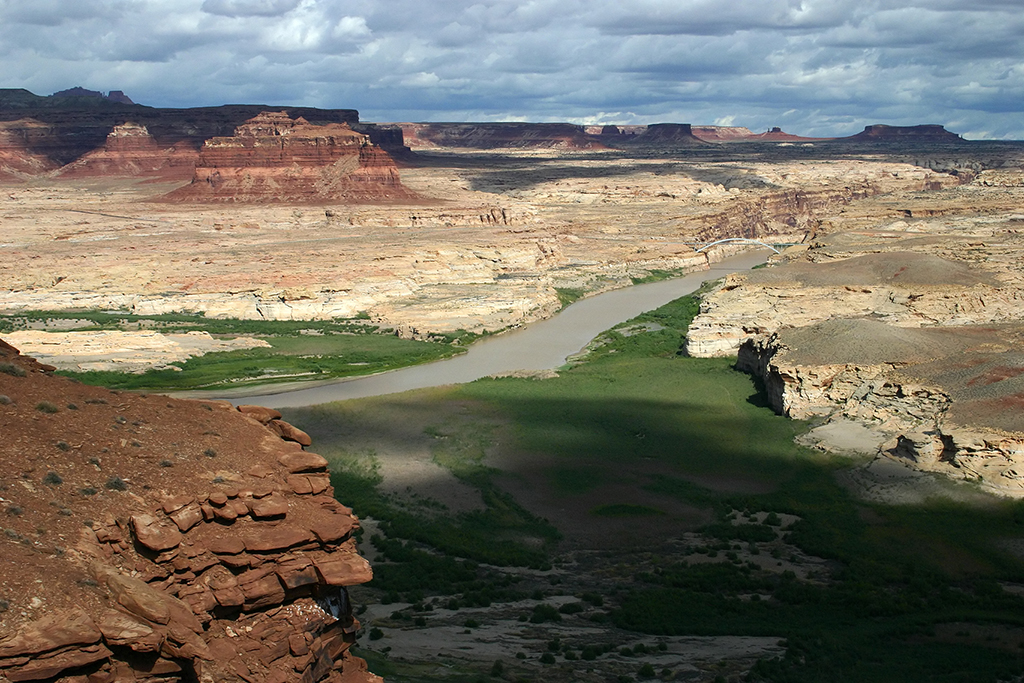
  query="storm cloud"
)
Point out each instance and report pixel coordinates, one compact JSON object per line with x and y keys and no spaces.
{"x":813,"y":67}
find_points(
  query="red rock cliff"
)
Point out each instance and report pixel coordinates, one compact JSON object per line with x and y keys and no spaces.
{"x":131,"y":151}
{"x":154,"y":539}
{"x":273,"y":158}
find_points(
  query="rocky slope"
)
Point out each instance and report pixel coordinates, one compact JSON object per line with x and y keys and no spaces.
{"x":17,"y":160}
{"x":154,"y":539}
{"x":274,"y":158}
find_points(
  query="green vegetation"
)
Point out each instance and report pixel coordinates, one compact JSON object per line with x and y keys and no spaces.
{"x":900,"y":592}
{"x":569,"y":295}
{"x":299,"y":350}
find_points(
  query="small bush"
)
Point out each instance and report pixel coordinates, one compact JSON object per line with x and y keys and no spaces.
{"x":117,"y":484}
{"x":88,"y":491}
{"x":96,"y":401}
{"x":5,"y":400}
{"x":47,"y":407}
{"x":547,"y":658}
{"x":420,"y":621}
{"x":471,"y":623}
{"x":53,"y":479}
{"x":72,"y":406}
{"x":12,"y":370}
{"x":64,"y":446}
{"x":498,"y":668}
{"x":376,"y":634}
{"x":210,"y":453}
{"x":571,"y":608}
{"x":166,"y":463}
{"x":14,"y":511}
{"x":542,"y":613}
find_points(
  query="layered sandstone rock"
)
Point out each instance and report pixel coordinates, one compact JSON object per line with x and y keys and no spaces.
{"x":153,"y":539}
{"x":947,"y":399}
{"x":131,"y":151}
{"x":274,"y":158}
{"x":17,"y":160}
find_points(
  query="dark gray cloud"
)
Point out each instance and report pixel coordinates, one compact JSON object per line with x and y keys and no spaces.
{"x":815,"y":67}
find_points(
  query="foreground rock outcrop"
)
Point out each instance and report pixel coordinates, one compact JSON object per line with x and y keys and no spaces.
{"x":153,"y":539}
{"x":274,"y":158}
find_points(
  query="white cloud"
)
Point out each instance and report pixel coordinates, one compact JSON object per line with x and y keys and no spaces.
{"x":814,"y":66}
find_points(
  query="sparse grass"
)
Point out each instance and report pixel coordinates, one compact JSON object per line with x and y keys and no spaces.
{"x":47,"y":407}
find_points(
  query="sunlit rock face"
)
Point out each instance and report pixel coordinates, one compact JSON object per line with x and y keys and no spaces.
{"x":274,"y":158}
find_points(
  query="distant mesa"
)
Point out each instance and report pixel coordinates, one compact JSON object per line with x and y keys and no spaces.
{"x":78,"y":91}
{"x":274,"y":158}
{"x":668,"y":134}
{"x":498,"y":135}
{"x":722,"y":133}
{"x":17,"y":160}
{"x":924,"y":133}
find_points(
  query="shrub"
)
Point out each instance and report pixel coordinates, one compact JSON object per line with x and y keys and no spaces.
{"x":53,"y":479}
{"x":5,"y":400}
{"x":72,"y":406}
{"x":571,"y":608}
{"x":646,"y":671}
{"x":471,"y":623}
{"x":420,"y":621}
{"x":210,"y":453}
{"x":547,"y":658}
{"x":47,"y":407}
{"x":12,"y":370}
{"x":542,"y":613}
{"x":166,"y":463}
{"x":116,"y":483}
{"x":498,"y":668}
{"x":376,"y":634}
{"x":64,"y":446}
{"x":88,"y":491}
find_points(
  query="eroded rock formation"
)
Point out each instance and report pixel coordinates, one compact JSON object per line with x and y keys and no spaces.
{"x":17,"y":160}
{"x":274,"y":158}
{"x":948,"y":398}
{"x":905,"y":316}
{"x":153,"y":539}
{"x":131,"y":151}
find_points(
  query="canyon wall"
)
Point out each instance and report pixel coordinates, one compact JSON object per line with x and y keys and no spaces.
{"x":154,"y":539}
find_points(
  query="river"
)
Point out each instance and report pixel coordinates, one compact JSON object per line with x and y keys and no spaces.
{"x":544,"y":345}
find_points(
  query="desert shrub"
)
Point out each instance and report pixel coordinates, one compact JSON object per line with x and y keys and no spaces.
{"x":210,"y":453}
{"x":12,"y":370}
{"x":47,"y":407}
{"x":571,"y":608}
{"x":376,"y":634}
{"x":498,"y":668}
{"x":64,"y":446}
{"x":646,"y":671}
{"x":116,"y":483}
{"x":53,"y":479}
{"x":88,"y":491}
{"x":547,"y":658}
{"x":472,"y":623}
{"x":542,"y":613}
{"x":166,"y":463}
{"x":5,"y":400}
{"x":72,"y":406}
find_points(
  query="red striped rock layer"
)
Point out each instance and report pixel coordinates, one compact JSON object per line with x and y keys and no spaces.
{"x":153,"y":539}
{"x":273,"y":158}
{"x":131,"y":151}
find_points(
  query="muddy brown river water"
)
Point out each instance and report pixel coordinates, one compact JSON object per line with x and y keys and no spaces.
{"x":544,"y":345}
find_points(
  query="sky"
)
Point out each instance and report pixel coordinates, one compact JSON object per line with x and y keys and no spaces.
{"x":812,"y":67}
